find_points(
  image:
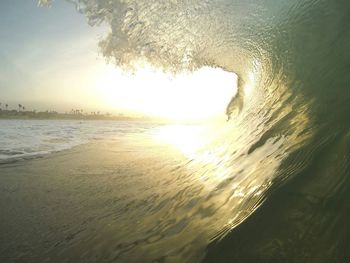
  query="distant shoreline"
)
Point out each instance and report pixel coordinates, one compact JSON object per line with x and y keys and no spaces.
{"x":30,"y":115}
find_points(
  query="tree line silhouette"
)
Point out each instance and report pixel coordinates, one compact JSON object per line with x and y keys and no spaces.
{"x":21,"y":112}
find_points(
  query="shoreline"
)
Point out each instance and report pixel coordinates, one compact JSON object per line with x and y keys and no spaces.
{"x":78,"y":118}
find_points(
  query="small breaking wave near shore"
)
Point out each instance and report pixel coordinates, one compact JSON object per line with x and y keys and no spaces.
{"x":28,"y":139}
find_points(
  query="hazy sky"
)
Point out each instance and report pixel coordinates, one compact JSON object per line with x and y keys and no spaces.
{"x":49,"y":60}
{"x":45,"y":53}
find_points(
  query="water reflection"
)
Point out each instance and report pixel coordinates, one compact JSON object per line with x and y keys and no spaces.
{"x":189,"y":139}
{"x":162,"y":199}
{"x":232,"y":175}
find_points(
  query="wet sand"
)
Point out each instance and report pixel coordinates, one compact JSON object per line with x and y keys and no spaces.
{"x":67,"y":206}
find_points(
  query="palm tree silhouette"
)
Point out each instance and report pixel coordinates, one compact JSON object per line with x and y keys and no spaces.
{"x":19,"y":107}
{"x":6,"y":106}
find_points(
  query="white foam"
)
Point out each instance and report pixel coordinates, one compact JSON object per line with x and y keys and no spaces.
{"x":21,"y":139}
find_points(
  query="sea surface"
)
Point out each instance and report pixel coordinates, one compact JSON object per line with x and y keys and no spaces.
{"x":270,"y":185}
{"x":122,"y":191}
{"x":25,"y":139}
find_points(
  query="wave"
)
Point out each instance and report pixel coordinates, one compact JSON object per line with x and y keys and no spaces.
{"x":289,"y":119}
{"x":22,"y":140}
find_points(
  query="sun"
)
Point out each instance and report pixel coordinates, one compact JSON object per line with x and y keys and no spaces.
{"x":197,"y":95}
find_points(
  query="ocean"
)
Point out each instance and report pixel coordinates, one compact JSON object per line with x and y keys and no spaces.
{"x":270,"y":185}
{"x":26,"y":139}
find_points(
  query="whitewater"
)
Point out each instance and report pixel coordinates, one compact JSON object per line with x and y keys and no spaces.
{"x":27,"y":139}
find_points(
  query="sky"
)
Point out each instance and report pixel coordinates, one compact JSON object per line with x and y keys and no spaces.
{"x":48,"y":56}
{"x":49,"y":60}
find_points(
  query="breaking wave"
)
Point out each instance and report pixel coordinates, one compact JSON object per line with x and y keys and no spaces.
{"x":289,"y":122}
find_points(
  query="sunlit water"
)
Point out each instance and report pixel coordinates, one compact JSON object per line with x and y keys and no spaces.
{"x":281,"y":165}
{"x":137,"y":190}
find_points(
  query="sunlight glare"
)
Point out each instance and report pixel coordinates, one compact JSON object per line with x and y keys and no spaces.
{"x":193,"y":140}
{"x":202,"y":94}
{"x":187,"y":138}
